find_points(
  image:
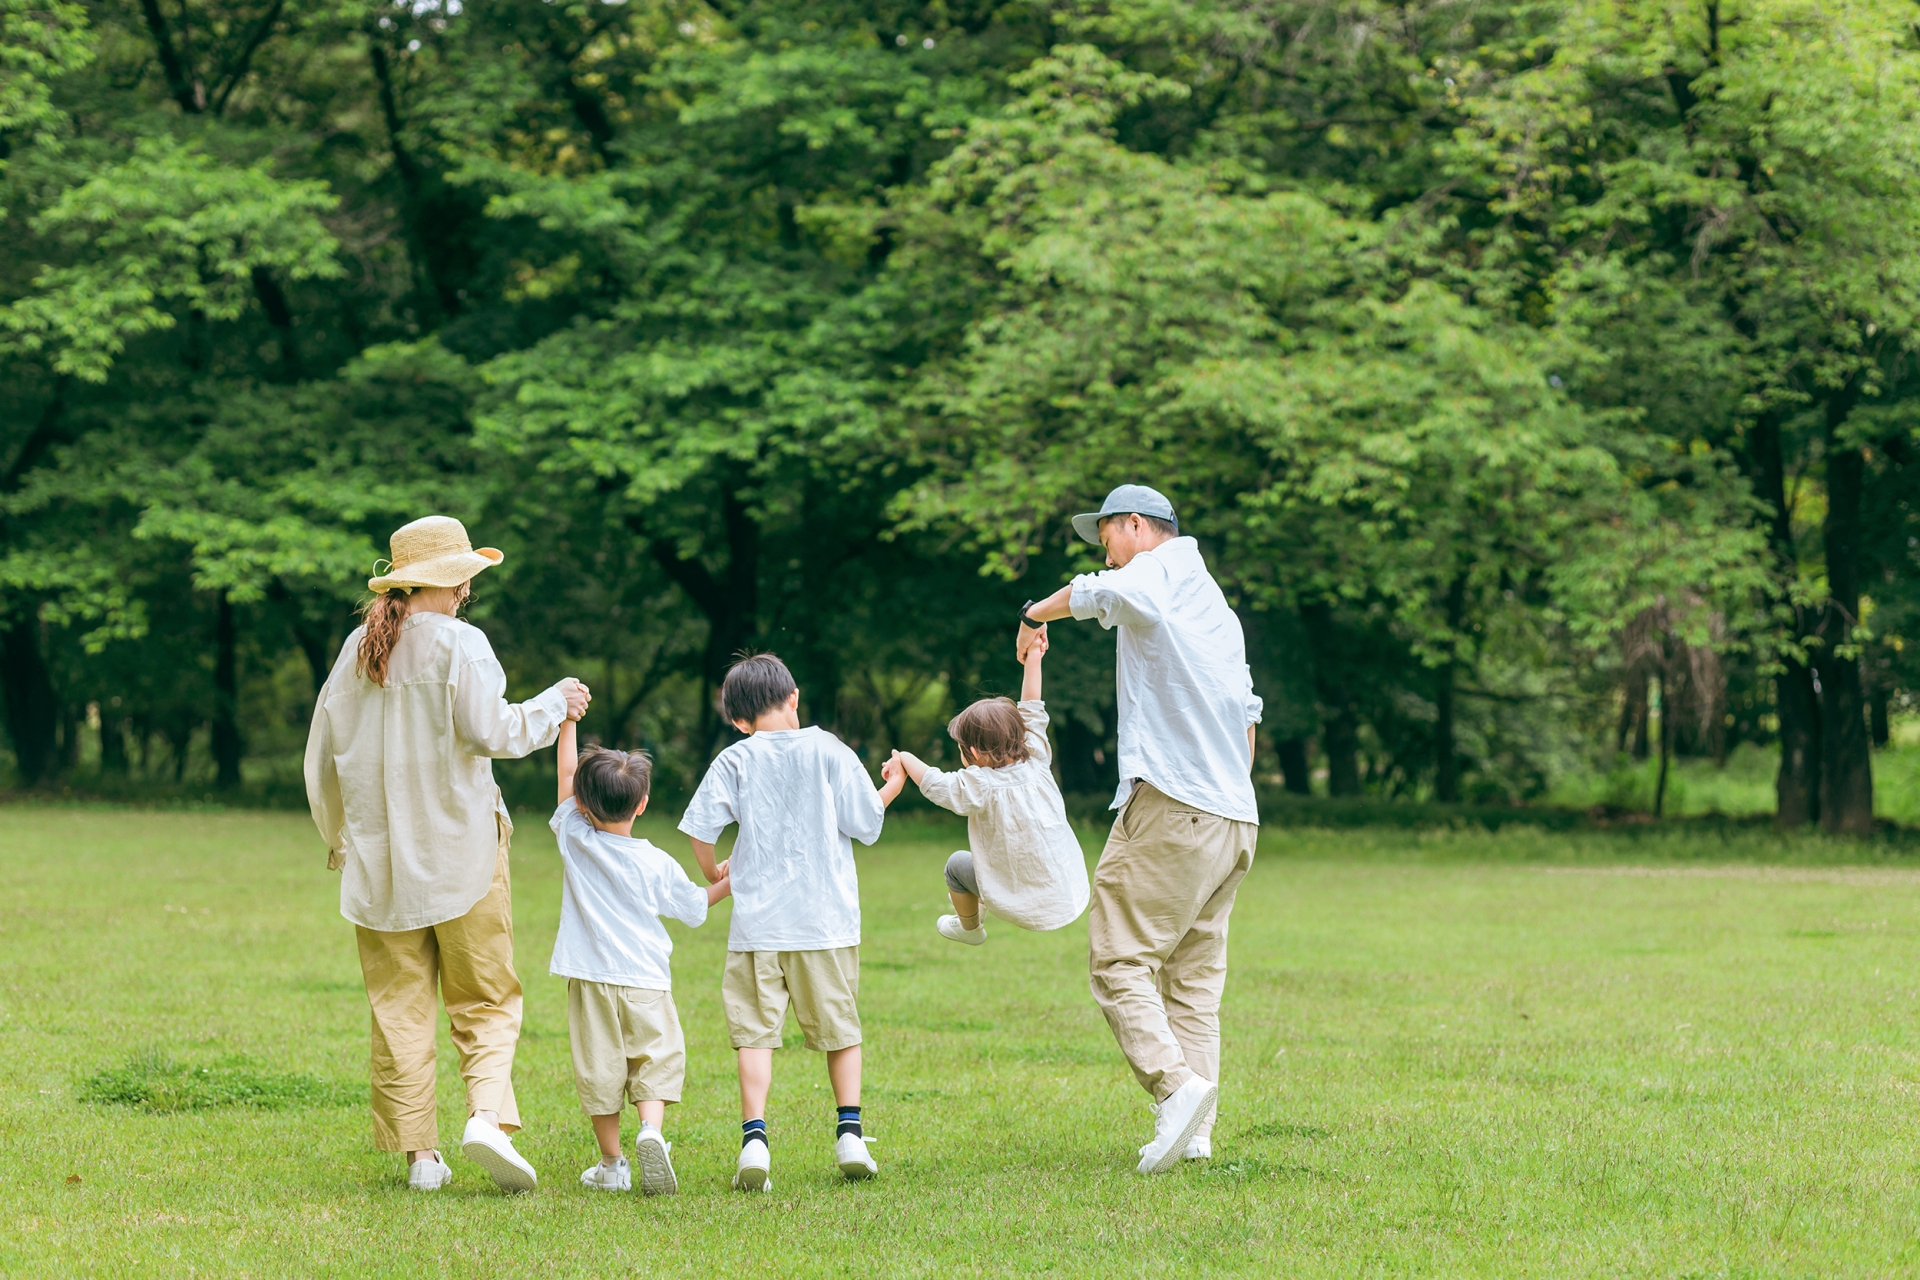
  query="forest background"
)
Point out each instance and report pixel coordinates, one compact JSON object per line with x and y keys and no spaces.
{"x":1539,"y":378}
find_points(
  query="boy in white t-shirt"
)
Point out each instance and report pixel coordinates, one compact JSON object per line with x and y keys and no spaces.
{"x":801,"y":797}
{"x":613,"y":951}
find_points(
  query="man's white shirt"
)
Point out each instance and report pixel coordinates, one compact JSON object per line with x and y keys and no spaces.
{"x":1185,"y":693}
{"x":616,"y":889}
{"x":801,"y":798}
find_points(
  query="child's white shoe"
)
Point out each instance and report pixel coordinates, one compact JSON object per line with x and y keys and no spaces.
{"x":755,"y":1172}
{"x":430,"y":1174}
{"x":851,"y":1154}
{"x":653,"y":1154}
{"x":492,"y":1150}
{"x":617,"y":1176}
{"x":1174,"y":1123}
{"x":950,"y":927}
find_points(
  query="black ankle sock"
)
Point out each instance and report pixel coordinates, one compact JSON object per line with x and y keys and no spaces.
{"x":751,"y":1129}
{"x":849,"y":1122}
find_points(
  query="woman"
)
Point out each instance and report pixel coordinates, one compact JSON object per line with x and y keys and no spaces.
{"x":400,"y":779}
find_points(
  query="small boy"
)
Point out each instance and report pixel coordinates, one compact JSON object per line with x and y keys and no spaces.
{"x":800,"y":797}
{"x":613,"y":951}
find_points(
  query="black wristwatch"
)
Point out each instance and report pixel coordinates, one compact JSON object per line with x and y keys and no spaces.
{"x":1026,"y":621}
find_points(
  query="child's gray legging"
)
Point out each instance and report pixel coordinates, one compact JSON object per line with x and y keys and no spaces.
{"x":960,"y":873}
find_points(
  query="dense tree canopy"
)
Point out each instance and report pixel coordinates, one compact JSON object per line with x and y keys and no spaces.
{"x":1520,"y":367}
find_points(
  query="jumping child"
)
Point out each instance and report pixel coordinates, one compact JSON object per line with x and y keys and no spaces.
{"x":1025,"y":864}
{"x":613,"y":951}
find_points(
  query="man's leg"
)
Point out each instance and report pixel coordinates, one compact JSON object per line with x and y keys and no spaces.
{"x":1154,"y":878}
{"x":482,"y":994}
{"x":400,"y":971}
{"x":1195,"y":974}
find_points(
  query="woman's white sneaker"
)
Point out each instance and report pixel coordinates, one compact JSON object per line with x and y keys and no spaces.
{"x":851,"y":1154}
{"x":653,"y":1154}
{"x":617,"y":1176}
{"x":949,"y":927}
{"x":1200,"y":1147}
{"x":492,"y":1150}
{"x":755,"y":1172}
{"x":430,"y":1174}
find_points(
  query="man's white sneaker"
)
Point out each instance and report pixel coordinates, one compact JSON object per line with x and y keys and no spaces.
{"x":949,"y":927}
{"x":1200,"y":1147}
{"x":653,"y":1154}
{"x":851,"y":1154}
{"x":430,"y":1174}
{"x":756,"y":1168}
{"x":493,"y":1151}
{"x":617,"y":1176}
{"x":1184,"y":1110}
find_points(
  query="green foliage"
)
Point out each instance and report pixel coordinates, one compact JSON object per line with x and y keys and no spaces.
{"x":153,"y":1082}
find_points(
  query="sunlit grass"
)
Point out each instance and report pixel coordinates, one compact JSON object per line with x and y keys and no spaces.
{"x":1673,"y":1052}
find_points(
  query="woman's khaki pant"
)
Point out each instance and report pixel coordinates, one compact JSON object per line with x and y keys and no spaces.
{"x":1162,"y":895}
{"x":471,"y":961}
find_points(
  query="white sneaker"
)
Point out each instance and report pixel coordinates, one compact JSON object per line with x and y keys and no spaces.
{"x":1200,"y":1147}
{"x":950,"y":927}
{"x":428,"y":1175}
{"x":493,"y":1151}
{"x":851,"y":1154}
{"x":1174,"y":1122}
{"x":756,"y":1168}
{"x":652,"y":1153}
{"x":617,"y":1176}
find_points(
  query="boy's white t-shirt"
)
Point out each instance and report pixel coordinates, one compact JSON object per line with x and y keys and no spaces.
{"x":1029,"y":865}
{"x":616,"y":889}
{"x":801,"y":797}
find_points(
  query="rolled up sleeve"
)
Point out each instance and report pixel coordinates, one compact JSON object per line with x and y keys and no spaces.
{"x":1117,"y":598}
{"x":1256,"y":705}
{"x":492,"y":726}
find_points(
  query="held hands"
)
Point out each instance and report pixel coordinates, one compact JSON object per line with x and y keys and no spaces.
{"x":1028,"y":642}
{"x":893,"y":776}
{"x":577,"y":697}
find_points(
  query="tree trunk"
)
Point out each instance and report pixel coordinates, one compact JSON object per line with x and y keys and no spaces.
{"x":1339,"y":723}
{"x":1666,"y":748}
{"x":33,"y":712}
{"x":1878,"y":727}
{"x":1846,"y":755}
{"x":113,"y":745}
{"x":731,"y":601}
{"x":1446,"y":764}
{"x":226,"y":697}
{"x":1797,"y":785}
{"x":1293,"y":765}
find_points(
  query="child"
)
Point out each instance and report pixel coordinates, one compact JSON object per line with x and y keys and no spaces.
{"x":612,"y":950}
{"x":1025,"y":863}
{"x":798,"y":795}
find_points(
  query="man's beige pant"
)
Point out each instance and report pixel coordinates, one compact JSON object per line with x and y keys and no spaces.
{"x":471,"y":961}
{"x":1158,"y":934}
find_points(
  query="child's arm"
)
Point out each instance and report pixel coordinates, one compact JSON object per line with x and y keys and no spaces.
{"x":1030,"y":682}
{"x":909,"y":764}
{"x":721,"y":888}
{"x":703,"y":854}
{"x":569,"y":759}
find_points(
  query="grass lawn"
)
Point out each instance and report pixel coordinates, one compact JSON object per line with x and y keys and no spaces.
{"x":1446,"y":1053}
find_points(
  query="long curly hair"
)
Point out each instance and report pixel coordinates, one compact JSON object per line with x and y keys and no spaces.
{"x":383,"y":615}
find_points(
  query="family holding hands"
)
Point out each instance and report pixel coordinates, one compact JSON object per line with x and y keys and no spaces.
{"x":400,"y":782}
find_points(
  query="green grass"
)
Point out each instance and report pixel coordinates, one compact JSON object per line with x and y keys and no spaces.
{"x":1665,"y":1053}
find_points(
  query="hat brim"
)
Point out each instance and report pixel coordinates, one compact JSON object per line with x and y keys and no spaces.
{"x":441,"y":571}
{"x":1088,"y":527}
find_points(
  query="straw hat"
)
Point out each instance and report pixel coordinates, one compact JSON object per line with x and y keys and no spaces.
{"x":433,"y":551}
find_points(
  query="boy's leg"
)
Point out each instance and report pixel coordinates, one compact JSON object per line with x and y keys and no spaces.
{"x":606,"y":1131}
{"x":843,"y":1073}
{"x":753,"y":993}
{"x":401,"y":971}
{"x":756,"y":1082}
{"x":652,"y":1111}
{"x":963,"y":888}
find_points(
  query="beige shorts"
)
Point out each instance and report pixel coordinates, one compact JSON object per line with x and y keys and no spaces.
{"x":821,"y":986}
{"x":627,"y":1046}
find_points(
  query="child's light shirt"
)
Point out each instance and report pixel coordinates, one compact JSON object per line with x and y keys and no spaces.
{"x":1025,"y":856}
{"x":616,"y":889}
{"x":801,"y":797}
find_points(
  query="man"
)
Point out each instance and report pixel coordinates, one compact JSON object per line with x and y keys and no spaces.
{"x":1185,"y":834}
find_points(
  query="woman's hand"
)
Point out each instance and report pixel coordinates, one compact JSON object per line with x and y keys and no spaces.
{"x":577,"y":697}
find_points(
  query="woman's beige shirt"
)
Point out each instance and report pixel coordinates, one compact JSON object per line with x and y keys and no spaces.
{"x":400,"y":777}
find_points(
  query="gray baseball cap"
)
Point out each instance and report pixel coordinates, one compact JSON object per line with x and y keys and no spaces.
{"x":1128,"y":499}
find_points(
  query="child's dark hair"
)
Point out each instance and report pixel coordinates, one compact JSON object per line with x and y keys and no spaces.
{"x":755,"y":685}
{"x":994,"y":731}
{"x":612,"y":785}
